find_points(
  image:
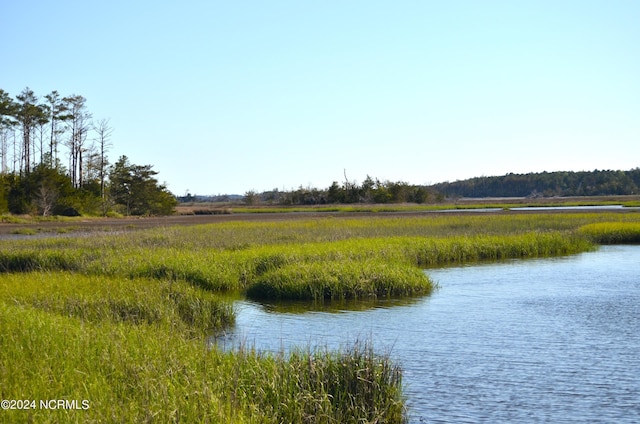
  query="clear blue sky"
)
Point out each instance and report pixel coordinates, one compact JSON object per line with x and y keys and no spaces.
{"x":231,"y":96}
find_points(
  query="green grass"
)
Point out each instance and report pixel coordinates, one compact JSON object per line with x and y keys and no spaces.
{"x":327,"y":258}
{"x":462,"y":204}
{"x":122,"y":320}
{"x":26,"y":231}
{"x":339,"y":280}
{"x":97,"y":298}
{"x":611,"y":232}
{"x":351,"y":386}
{"x":128,"y":373}
{"x":138,"y":371}
{"x":356,"y":267}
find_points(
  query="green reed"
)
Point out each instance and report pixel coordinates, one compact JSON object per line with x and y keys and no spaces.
{"x":127,"y":372}
{"x":138,"y":371}
{"x":348,"y":268}
{"x":339,"y":280}
{"x":97,"y":298}
{"x":350,"y":386}
{"x":317,"y":253}
{"x":120,"y":319}
{"x":611,"y":232}
{"x":313,"y":258}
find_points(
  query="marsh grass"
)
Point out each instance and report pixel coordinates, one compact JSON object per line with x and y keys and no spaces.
{"x":611,"y":232}
{"x":120,"y":320}
{"x":432,"y":207}
{"x":128,"y":373}
{"x":97,"y":298}
{"x":342,"y":269}
{"x":312,"y":259}
{"x":340,"y":280}
{"x":25,"y":231}
{"x":149,"y":372}
{"x":352,"y":385}
{"x":29,"y":259}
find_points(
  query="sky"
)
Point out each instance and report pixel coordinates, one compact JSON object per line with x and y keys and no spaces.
{"x":224,"y":97}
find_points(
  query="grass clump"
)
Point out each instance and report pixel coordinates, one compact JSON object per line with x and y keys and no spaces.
{"x":384,"y":267}
{"x":155,"y":372}
{"x":352,"y":385}
{"x":457,"y":250}
{"x":25,"y":231}
{"x":611,"y":232}
{"x":360,"y":261}
{"x":102,"y":299}
{"x":339,"y":280}
{"x":26,"y":260}
{"x":127,"y":372}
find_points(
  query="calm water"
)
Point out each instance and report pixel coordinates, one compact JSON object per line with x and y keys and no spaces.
{"x":543,"y":340}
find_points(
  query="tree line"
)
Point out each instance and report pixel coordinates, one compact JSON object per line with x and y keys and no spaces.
{"x":371,"y":190}
{"x":546,"y":184}
{"x":54,"y":161}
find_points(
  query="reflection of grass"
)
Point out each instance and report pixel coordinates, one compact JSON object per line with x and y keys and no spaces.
{"x":64,"y":230}
{"x":335,"y":306}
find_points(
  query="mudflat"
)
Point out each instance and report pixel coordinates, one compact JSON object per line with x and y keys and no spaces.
{"x":81,"y":224}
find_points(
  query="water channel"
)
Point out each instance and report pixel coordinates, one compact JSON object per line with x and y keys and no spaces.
{"x":540,"y":340}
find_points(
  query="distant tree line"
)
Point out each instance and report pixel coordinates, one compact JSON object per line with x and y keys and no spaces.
{"x":546,"y":184}
{"x":53,"y":161}
{"x":370,"y":191}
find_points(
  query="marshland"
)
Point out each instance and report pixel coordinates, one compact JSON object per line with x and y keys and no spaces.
{"x":308,"y":212}
{"x":124,"y":320}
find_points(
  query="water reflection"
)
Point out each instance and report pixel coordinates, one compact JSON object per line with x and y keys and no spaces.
{"x":333,"y":306}
{"x":542,"y":340}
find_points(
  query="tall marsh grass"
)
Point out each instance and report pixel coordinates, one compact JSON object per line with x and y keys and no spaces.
{"x":347,"y":268}
{"x":121,"y":320}
{"x":97,"y":298}
{"x":355,"y":385}
{"x":149,"y":372}
{"x":339,"y":280}
{"x":611,"y":232}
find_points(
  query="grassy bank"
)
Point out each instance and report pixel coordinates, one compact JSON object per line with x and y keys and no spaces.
{"x":611,"y":232}
{"x":356,"y":267}
{"x":205,"y":208}
{"x":122,"y":320}
{"x":96,"y":299}
{"x":129,"y":371}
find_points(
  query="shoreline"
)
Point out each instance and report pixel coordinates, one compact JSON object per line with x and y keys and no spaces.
{"x":135,"y":223}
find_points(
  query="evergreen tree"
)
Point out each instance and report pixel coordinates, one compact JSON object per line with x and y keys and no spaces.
{"x":136,"y":190}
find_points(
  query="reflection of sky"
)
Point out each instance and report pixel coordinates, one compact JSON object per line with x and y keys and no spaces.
{"x":496,"y":341}
{"x":260,"y":326}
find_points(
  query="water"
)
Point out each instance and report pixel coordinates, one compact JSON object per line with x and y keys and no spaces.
{"x":543,"y":340}
{"x":573,"y":208}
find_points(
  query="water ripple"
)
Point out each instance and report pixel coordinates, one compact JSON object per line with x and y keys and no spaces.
{"x":549,"y":340}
